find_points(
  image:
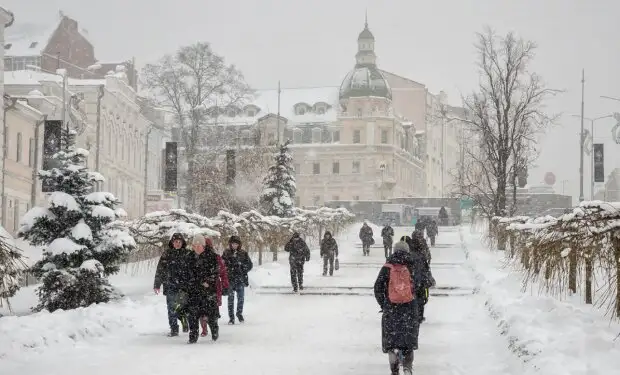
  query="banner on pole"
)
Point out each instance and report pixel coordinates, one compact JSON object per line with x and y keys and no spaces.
{"x":171,"y":167}
{"x":599,"y":162}
{"x":52,"y":133}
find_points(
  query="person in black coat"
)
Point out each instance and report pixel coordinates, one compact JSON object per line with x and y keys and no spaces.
{"x":299,"y":253}
{"x":329,"y":252}
{"x":399,"y":323}
{"x":202,"y":289}
{"x":367,"y":237}
{"x":422,"y":272}
{"x":172,"y":273}
{"x":387,"y":233}
{"x":238,"y":264}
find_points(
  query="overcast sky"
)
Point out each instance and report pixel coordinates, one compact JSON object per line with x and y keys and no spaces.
{"x":313,"y":42}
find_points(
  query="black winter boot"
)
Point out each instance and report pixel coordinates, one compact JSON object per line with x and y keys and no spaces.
{"x":240,"y":317}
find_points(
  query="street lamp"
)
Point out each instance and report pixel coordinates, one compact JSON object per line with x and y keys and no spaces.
{"x":592,"y":121}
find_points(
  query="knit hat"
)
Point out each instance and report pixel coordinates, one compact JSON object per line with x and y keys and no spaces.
{"x":401,"y":246}
{"x":177,"y":236}
{"x":199,"y":239}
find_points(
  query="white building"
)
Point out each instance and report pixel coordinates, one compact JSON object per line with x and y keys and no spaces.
{"x":6,"y":20}
{"x":121,"y":144}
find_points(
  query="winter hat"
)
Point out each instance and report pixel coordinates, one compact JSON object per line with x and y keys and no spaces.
{"x":235,"y":239}
{"x":401,"y":246}
{"x":327,"y":233}
{"x":199,"y":239}
{"x":177,"y":236}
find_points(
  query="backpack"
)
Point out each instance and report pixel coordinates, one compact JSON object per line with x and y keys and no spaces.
{"x":400,"y":285}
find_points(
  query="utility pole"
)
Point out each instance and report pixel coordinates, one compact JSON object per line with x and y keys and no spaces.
{"x":279,"y":91}
{"x":5,"y":153}
{"x":100,"y":94}
{"x":583,"y":81}
{"x":146,"y":170}
{"x":35,"y":163}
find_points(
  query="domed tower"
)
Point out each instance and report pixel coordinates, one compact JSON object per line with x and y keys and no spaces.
{"x":365,"y":79}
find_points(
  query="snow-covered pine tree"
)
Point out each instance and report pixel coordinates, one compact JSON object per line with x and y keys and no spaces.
{"x":83,"y":243}
{"x":279,"y":190}
{"x":11,"y":265}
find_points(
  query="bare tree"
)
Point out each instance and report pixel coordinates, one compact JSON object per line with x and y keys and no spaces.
{"x":504,"y":116}
{"x":195,"y":84}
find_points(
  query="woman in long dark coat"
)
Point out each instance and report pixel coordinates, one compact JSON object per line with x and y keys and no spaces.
{"x":399,"y":324}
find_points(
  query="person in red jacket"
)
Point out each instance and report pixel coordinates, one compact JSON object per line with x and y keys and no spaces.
{"x":221,"y":283}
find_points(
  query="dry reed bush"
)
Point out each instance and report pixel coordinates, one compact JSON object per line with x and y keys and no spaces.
{"x":255,"y":230}
{"x":565,"y":254}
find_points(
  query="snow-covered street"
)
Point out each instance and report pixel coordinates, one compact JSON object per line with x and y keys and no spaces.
{"x":333,"y":328}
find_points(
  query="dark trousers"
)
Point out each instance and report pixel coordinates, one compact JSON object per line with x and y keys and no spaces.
{"x":432,"y":240}
{"x":172,"y":315}
{"x":297,"y":276}
{"x":387,"y":247}
{"x":328,"y":259}
{"x":405,"y":358}
{"x":366,"y":248}
{"x":193,"y":319}
{"x":421,"y":300}
{"x":239,"y":290}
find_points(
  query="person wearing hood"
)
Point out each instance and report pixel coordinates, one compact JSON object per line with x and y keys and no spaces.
{"x":395,"y":293}
{"x":172,"y":273}
{"x":329,"y":251}
{"x":202,"y":289}
{"x":299,"y":254}
{"x":222,"y":284}
{"x":367,"y":237}
{"x":387,"y":233}
{"x":238,"y":263}
{"x":422,"y":272}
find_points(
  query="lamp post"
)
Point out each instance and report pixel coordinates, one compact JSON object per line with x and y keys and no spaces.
{"x":146,"y":169}
{"x":592,"y":121}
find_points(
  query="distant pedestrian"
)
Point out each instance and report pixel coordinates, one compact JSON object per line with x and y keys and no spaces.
{"x":367,"y":237}
{"x":238,"y":263}
{"x":387,"y":233}
{"x":329,"y":252}
{"x":299,"y":254}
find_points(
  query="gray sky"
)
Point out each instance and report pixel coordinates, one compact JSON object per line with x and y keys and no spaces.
{"x":313,"y":42}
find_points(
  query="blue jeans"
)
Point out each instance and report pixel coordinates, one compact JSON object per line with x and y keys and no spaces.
{"x":172,"y":315}
{"x":239,"y":290}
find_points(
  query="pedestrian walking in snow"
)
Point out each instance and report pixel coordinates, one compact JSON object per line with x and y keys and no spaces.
{"x":367,"y":238}
{"x":432,"y":231}
{"x":172,"y":273}
{"x":202,"y":289}
{"x":422,"y":275}
{"x":222,"y":284}
{"x":238,"y":263}
{"x":387,"y":233}
{"x":395,"y":294}
{"x":329,"y":252}
{"x":299,"y":254}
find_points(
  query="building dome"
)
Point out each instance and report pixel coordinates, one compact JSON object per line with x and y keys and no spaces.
{"x":366,"y":34}
{"x":364,"y":81}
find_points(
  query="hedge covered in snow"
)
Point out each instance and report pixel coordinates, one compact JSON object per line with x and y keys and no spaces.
{"x":578,"y":251}
{"x":256,"y":231}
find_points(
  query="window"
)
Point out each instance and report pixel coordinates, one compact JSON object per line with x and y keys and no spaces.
{"x":320,"y":110}
{"x":336,"y":167}
{"x":356,"y":167}
{"x":356,"y":197}
{"x":316,"y":168}
{"x":16,"y":214}
{"x":316,"y":200}
{"x":33,"y":44}
{"x":359,"y":112}
{"x":335,"y":198}
{"x":251,"y":113}
{"x":357,"y":136}
{"x":336,"y":136}
{"x":316,"y":135}
{"x":31,"y":152}
{"x":297,"y":168}
{"x":271,"y":138}
{"x":297,"y":136}
{"x":384,"y":137}
{"x":18,"y":157}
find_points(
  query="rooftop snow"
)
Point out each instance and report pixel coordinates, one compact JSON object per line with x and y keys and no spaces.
{"x":267,"y":102}
{"x":28,"y":39}
{"x":31,"y":77}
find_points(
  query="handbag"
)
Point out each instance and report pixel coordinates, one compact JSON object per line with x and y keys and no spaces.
{"x":336,"y":264}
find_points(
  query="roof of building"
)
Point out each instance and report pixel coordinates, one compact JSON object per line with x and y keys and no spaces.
{"x":365,"y":81}
{"x":267,"y":103}
{"x":31,"y":77}
{"x":30,"y":39}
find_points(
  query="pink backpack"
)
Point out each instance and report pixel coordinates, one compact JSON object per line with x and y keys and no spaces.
{"x":400,"y":284}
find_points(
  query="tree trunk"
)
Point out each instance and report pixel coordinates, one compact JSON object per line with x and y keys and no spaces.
{"x":589,"y":281}
{"x":572,"y":269}
{"x":260,"y":255}
{"x":274,"y":251}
